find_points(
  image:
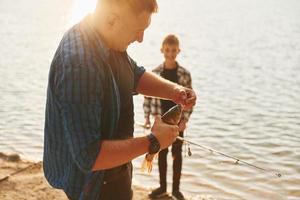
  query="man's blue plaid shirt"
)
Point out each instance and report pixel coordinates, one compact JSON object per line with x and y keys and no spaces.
{"x":80,"y":83}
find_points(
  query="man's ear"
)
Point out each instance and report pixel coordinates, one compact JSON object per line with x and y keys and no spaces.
{"x":178,"y":51}
{"x":111,"y":19}
{"x":161,"y":50}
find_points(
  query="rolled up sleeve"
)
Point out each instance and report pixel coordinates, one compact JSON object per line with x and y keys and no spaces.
{"x":79,"y":93}
{"x":138,"y":71}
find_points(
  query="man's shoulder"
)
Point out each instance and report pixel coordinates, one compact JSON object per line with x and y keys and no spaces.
{"x":72,"y":36}
{"x":75,"y":54}
{"x":75,"y":46}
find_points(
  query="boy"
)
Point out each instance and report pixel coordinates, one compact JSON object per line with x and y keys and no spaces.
{"x":171,"y":71}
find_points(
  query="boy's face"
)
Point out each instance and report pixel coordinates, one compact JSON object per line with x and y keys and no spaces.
{"x":170,"y":52}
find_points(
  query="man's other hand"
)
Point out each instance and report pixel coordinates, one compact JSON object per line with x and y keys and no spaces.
{"x":165,"y":133}
{"x":184,"y":96}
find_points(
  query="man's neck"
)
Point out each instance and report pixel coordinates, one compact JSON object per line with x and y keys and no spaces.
{"x":99,"y":25}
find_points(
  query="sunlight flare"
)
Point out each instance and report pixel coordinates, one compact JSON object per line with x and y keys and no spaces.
{"x":81,"y":8}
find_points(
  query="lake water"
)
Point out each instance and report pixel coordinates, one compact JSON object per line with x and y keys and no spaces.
{"x":244,"y":57}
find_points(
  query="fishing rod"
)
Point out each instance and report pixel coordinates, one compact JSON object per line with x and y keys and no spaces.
{"x":18,"y":171}
{"x":237,"y":160}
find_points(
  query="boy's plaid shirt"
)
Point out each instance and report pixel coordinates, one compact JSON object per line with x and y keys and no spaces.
{"x":153,"y":105}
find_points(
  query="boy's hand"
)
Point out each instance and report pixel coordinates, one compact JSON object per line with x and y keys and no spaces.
{"x":147,"y":124}
{"x":165,"y":133}
{"x":184,"y":96}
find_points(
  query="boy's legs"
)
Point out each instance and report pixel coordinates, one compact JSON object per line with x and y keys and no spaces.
{"x":162,"y":165}
{"x":177,"y":162}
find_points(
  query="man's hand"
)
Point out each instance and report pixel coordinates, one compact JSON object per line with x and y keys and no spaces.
{"x":182,"y":125}
{"x":184,"y":96}
{"x":165,"y":133}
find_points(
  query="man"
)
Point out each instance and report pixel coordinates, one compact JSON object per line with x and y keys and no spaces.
{"x":89,"y":141}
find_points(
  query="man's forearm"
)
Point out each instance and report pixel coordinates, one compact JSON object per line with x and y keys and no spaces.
{"x":117,"y":152}
{"x":153,"y":85}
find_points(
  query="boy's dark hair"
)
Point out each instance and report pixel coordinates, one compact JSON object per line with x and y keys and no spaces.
{"x":170,"y":39}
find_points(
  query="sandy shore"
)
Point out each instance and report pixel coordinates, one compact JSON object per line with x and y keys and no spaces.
{"x":30,"y":183}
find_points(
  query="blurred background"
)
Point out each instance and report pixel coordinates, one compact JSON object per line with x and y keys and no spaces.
{"x":244,"y":57}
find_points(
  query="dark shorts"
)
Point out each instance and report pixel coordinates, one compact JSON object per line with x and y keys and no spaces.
{"x":117,"y":183}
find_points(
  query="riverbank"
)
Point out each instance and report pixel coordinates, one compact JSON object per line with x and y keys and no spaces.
{"x":27,"y":181}
{"x":30,"y":183}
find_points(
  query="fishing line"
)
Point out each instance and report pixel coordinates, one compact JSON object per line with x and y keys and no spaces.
{"x":186,"y":144}
{"x":237,"y":160}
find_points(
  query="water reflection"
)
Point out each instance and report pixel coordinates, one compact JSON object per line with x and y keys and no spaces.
{"x":244,"y":59}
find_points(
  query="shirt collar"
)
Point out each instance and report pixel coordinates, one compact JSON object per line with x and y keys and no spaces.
{"x":164,"y":68}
